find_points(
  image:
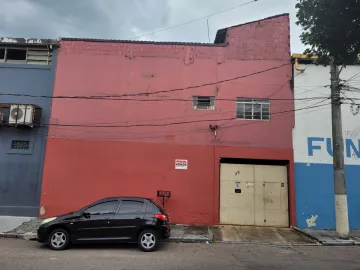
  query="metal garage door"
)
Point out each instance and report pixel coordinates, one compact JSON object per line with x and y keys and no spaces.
{"x":254,"y":195}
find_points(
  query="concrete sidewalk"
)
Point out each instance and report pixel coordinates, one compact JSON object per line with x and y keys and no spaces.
{"x":260,"y":235}
{"x":8,"y":223}
{"x":330,"y":238}
{"x":19,"y":227}
{"x":25,"y":228}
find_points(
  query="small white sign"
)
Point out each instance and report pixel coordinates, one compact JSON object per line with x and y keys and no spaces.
{"x":181,"y":164}
{"x":249,"y":184}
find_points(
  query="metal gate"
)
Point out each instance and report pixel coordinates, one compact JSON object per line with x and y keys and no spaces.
{"x":254,"y":195}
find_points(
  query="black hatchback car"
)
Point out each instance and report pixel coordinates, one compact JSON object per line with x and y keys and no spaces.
{"x":110,"y":220}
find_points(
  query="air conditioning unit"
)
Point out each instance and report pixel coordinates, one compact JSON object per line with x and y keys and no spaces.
{"x":21,"y":114}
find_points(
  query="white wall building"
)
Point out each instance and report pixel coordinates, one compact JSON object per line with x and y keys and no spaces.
{"x":312,"y":135}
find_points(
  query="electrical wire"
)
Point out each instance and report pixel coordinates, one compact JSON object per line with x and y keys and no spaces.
{"x":112,"y":97}
{"x":207,"y":129}
{"x":194,"y":20}
{"x":158,"y":125}
{"x":278,"y":115}
{"x":156,"y":100}
{"x":355,"y":76}
{"x":277,"y":91}
{"x":180,"y":117}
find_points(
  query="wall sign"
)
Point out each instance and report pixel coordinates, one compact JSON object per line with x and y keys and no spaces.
{"x":249,"y":184}
{"x":237,"y":187}
{"x":181,"y":164}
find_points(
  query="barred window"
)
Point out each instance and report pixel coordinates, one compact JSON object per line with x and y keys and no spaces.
{"x":35,"y":55}
{"x":2,"y":54}
{"x":253,"y":109}
{"x":20,"y":145}
{"x":204,"y":103}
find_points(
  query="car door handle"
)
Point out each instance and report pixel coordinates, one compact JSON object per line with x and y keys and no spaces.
{"x":137,"y":218}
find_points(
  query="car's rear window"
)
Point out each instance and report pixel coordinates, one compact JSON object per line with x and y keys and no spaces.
{"x":155,"y":207}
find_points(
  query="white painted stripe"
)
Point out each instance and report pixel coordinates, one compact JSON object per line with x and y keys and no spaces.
{"x":342,"y":216}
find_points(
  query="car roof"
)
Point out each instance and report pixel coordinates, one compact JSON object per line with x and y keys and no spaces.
{"x":124,"y":197}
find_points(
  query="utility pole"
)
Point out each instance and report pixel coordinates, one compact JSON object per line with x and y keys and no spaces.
{"x":341,"y":207}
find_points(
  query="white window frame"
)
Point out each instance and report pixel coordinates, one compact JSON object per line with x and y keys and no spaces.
{"x":212,"y":103}
{"x":252,"y":102}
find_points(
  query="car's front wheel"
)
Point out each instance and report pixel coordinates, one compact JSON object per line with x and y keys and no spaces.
{"x":148,"y":240}
{"x":59,"y":239}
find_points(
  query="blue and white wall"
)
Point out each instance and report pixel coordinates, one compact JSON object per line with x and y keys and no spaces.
{"x":314,"y":178}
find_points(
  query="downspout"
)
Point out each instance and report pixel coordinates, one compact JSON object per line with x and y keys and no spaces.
{"x":297,"y":66}
{"x":296,"y":58}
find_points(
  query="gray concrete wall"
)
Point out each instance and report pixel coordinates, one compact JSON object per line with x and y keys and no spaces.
{"x":21,"y":171}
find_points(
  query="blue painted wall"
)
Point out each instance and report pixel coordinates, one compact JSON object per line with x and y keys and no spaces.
{"x":314,"y":186}
{"x":21,"y":171}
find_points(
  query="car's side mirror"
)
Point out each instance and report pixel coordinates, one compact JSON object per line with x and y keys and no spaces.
{"x":86,"y":215}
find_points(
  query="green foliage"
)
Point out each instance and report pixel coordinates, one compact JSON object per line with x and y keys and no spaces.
{"x":331,"y":28}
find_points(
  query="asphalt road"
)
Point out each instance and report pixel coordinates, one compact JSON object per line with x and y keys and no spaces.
{"x":20,"y":254}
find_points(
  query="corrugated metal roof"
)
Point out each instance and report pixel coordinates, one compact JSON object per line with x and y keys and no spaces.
{"x":140,"y":42}
{"x":28,"y":41}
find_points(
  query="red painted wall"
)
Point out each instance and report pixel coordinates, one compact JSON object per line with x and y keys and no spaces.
{"x":86,"y":163}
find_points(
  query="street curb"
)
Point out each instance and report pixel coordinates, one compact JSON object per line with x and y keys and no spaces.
{"x":334,"y":243}
{"x":189,"y":241}
{"x":29,"y":237}
{"x":203,"y":240}
{"x":9,"y":235}
{"x":32,"y":237}
{"x":306,"y":234}
{"x":338,"y":243}
{"x":266,"y":244}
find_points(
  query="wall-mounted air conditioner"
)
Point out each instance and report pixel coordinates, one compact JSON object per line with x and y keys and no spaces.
{"x":21,"y":114}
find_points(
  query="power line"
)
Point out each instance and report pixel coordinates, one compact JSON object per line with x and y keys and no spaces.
{"x":309,"y":90}
{"x":151,"y":100}
{"x":352,"y":77}
{"x":287,"y":112}
{"x":280,"y":114}
{"x":274,"y":93}
{"x":182,"y":117}
{"x":164,"y":124}
{"x":304,"y":100}
{"x":113,"y":97}
{"x":194,"y":20}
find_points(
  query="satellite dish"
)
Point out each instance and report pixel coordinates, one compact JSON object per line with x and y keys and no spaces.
{"x":17,"y":113}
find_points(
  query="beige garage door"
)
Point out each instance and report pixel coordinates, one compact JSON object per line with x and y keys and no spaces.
{"x":254,"y":195}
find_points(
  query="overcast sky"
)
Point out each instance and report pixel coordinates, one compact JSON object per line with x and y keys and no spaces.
{"x":125,"y":19}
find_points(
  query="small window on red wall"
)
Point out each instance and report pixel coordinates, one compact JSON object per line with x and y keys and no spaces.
{"x":253,"y":109}
{"x":204,"y":103}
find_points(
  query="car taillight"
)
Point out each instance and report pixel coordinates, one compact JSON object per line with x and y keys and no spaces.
{"x":161,"y":217}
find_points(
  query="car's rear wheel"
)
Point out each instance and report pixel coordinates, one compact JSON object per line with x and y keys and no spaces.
{"x":148,"y":240}
{"x":59,"y":239}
